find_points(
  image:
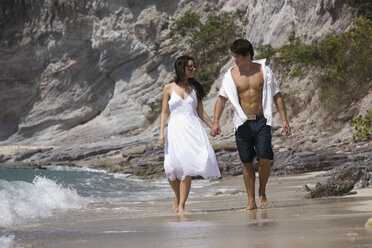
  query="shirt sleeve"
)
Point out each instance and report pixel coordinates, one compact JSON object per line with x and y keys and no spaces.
{"x":274,"y":84}
{"x":222,"y":90}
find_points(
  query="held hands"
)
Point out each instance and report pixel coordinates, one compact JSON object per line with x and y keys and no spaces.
{"x":215,"y":129}
{"x":161,"y":139}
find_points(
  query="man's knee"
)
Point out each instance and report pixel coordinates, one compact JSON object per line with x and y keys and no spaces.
{"x":265,"y":162}
{"x":248,"y":165}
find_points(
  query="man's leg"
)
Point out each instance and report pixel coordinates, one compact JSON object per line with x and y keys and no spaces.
{"x":249,"y":180}
{"x":264,"y":173}
{"x":245,"y":144}
{"x":265,"y":154}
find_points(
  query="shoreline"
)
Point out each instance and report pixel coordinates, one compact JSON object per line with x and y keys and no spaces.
{"x":216,"y":220}
{"x":144,"y":158}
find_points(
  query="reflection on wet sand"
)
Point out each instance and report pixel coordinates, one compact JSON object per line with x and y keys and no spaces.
{"x":258,"y":214}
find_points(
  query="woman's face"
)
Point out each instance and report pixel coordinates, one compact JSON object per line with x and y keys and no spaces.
{"x":190,"y":69}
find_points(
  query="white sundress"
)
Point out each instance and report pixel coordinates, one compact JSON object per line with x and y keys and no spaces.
{"x":187,"y":150}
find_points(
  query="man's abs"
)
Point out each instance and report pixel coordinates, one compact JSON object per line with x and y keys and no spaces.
{"x":251,"y":102}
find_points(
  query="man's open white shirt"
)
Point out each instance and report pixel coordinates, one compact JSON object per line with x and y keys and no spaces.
{"x":270,"y":89}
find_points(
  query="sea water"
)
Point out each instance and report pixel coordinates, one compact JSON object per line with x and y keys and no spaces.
{"x":30,"y":196}
{"x":27,"y":194}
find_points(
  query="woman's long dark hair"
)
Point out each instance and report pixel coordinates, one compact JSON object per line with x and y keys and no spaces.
{"x":180,"y":67}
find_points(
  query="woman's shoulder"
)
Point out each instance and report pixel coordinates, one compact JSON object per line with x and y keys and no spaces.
{"x":168,"y":86}
{"x":172,"y":84}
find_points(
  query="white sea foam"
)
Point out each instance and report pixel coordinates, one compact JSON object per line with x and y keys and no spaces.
{"x":67,"y":168}
{"x":199,"y":184}
{"x":120,"y":175}
{"x":87,"y":169}
{"x":7,"y":242}
{"x":21,"y":200}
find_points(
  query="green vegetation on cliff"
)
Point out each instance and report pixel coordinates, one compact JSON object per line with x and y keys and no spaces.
{"x":155,"y":109}
{"x":206,"y":41}
{"x":363,"y":7}
{"x":363,"y":125}
{"x":344,"y":63}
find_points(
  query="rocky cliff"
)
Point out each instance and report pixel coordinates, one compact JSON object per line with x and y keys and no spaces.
{"x":83,"y":71}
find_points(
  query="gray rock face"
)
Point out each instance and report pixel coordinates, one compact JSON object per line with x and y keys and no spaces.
{"x":84,"y":71}
{"x":309,"y":19}
{"x":70,"y":68}
{"x":334,"y":157}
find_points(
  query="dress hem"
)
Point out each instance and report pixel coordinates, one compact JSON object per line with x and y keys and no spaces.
{"x":183,"y":177}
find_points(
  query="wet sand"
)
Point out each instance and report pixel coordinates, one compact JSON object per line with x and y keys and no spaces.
{"x":215,"y":221}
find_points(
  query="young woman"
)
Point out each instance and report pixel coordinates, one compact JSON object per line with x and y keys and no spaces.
{"x":187,"y":151}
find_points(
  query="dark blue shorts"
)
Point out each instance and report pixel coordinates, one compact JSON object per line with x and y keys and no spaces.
{"x":253,"y":139}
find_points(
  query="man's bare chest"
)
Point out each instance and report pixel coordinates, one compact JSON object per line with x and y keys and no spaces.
{"x":247,"y":83}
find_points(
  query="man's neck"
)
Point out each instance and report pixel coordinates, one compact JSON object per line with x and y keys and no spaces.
{"x":246,"y":68}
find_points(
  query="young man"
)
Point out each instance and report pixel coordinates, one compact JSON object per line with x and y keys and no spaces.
{"x":251,"y":87}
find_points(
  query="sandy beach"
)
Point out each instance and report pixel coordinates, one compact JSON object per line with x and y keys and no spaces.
{"x":217,"y":220}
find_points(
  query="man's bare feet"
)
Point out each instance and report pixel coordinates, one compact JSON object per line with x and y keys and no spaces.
{"x":251,"y":205}
{"x":263,"y":201}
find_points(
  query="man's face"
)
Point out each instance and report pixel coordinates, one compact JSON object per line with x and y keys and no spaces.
{"x":240,"y":59}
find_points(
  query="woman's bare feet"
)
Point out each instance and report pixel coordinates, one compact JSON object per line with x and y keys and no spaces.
{"x":251,"y":205}
{"x":263,"y":201}
{"x":175,"y":206}
{"x":181,"y":210}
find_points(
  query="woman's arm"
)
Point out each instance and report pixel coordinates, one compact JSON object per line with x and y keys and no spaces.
{"x":202,"y":115}
{"x":164,"y":113}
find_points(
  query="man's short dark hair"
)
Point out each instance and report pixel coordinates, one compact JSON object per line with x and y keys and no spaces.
{"x":242,"y":47}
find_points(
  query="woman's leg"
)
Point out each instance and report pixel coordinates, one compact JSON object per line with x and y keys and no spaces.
{"x":185,"y":186}
{"x":175,"y":184}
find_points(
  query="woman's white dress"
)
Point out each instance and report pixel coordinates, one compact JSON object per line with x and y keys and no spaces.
{"x":187,"y":150}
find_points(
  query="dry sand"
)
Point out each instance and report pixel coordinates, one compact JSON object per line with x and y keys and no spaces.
{"x":217,"y":221}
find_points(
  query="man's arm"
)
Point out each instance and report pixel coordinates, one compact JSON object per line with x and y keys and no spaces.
{"x":279,"y":102}
{"x":218,"y":109}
